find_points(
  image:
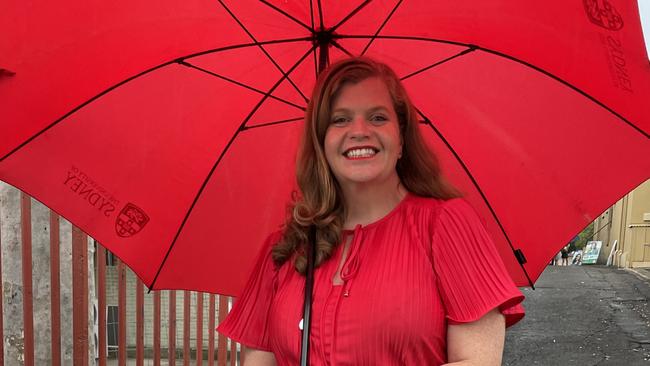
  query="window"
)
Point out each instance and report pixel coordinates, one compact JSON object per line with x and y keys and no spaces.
{"x":112,"y":316}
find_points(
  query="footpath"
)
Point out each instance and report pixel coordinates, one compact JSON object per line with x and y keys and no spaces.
{"x":583,"y":315}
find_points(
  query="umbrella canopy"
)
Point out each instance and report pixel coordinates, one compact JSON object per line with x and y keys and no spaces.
{"x":167,"y":130}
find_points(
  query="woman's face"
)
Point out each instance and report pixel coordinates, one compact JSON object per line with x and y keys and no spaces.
{"x":363,"y":142}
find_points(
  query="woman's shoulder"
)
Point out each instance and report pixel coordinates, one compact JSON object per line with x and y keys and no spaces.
{"x":434,"y":205}
{"x":432,"y":213}
{"x":271,"y":241}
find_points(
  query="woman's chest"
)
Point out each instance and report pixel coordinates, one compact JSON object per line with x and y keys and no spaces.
{"x":388,"y":303}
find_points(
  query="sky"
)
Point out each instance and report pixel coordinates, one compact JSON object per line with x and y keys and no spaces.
{"x":644,"y":10}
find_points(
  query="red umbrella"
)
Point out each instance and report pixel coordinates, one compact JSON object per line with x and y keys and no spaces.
{"x":167,"y":130}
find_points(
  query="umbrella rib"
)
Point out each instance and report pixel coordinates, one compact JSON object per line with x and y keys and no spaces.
{"x":463,"y":52}
{"x":405,"y":38}
{"x":311,"y":29}
{"x":427,"y":121}
{"x":383,"y":24}
{"x":353,"y":13}
{"x":273,"y":123}
{"x":514,"y":59}
{"x":315,"y":64}
{"x":311,"y":13}
{"x":320,"y":15}
{"x":216,"y":164}
{"x":571,"y":86}
{"x":244,"y":45}
{"x":109,"y":89}
{"x":343,"y":49}
{"x":187,"y":64}
{"x":262,"y":48}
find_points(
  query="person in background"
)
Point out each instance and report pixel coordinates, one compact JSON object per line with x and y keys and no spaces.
{"x":564,"y":253}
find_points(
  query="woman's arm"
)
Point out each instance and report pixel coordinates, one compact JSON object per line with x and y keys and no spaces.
{"x":477,"y":343}
{"x":255,"y":357}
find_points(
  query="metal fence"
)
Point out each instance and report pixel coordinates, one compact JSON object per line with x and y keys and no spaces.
{"x":178,"y":331}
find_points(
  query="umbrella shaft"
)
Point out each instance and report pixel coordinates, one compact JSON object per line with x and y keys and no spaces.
{"x":309,"y":286}
{"x":323,"y":56}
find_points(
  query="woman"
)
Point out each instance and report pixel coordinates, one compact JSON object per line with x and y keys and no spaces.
{"x":406,"y":274}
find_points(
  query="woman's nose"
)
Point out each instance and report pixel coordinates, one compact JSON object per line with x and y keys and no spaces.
{"x":359,"y":128}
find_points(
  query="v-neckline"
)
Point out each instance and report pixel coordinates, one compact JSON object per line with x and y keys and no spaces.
{"x":345,"y":251}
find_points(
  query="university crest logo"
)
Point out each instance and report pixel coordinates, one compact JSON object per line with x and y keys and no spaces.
{"x":603,"y":14}
{"x":130,"y":221}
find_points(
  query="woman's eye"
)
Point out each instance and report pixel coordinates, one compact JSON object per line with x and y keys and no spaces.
{"x":339,"y":120}
{"x":378,"y":118}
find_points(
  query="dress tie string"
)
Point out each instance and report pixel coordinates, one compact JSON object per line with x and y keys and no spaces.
{"x":351,"y":265}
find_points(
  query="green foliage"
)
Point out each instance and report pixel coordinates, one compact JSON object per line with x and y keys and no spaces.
{"x":585,"y":235}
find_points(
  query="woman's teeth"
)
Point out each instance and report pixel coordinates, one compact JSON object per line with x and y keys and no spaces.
{"x":360,"y":153}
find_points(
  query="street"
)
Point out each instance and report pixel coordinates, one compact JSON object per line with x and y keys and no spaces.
{"x":584,"y":315}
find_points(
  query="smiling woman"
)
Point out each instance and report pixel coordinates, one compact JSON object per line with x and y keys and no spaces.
{"x":406,"y":273}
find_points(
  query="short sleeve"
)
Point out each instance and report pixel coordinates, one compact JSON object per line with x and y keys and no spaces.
{"x":247,"y":322}
{"x":472,"y":277}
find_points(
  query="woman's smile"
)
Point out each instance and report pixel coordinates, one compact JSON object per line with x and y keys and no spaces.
{"x":360,"y":152}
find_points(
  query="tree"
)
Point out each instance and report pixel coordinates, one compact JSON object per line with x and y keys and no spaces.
{"x":580,"y":241}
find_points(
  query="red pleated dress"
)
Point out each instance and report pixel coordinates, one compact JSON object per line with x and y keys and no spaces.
{"x":426,"y":264}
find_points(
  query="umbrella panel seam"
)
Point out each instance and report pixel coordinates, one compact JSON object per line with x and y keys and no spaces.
{"x":216,"y":164}
{"x":349,"y":16}
{"x":478,"y":189}
{"x":517,"y":60}
{"x":244,"y":85}
{"x":263,"y":50}
{"x":383,"y":24}
{"x":310,"y":29}
{"x":274,"y":123}
{"x":320,"y":14}
{"x":131,"y":78}
{"x":438,"y":63}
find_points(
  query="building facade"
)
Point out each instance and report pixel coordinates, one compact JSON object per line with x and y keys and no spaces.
{"x":624,"y":230}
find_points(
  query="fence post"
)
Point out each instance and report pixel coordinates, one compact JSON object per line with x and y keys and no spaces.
{"x":186,"y":328}
{"x":199,"y":329}
{"x":101,"y":303}
{"x":80,"y":296}
{"x":55,"y":290}
{"x":211,"y":329}
{"x":139,"y":323}
{"x":171,"y":349}
{"x":121,"y":308}
{"x":222,"y":346}
{"x":2,"y":336}
{"x":28,"y":308}
{"x":156,"y":328}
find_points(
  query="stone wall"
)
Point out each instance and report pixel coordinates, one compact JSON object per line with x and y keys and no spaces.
{"x":12,"y":284}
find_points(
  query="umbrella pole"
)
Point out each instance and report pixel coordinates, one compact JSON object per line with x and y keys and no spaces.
{"x":323,"y":38}
{"x":309,"y":286}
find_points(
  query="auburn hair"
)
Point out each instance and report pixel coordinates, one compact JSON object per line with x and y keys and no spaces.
{"x":320,"y":201}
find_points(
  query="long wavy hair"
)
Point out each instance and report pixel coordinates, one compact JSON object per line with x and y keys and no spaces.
{"x":320,"y":201}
